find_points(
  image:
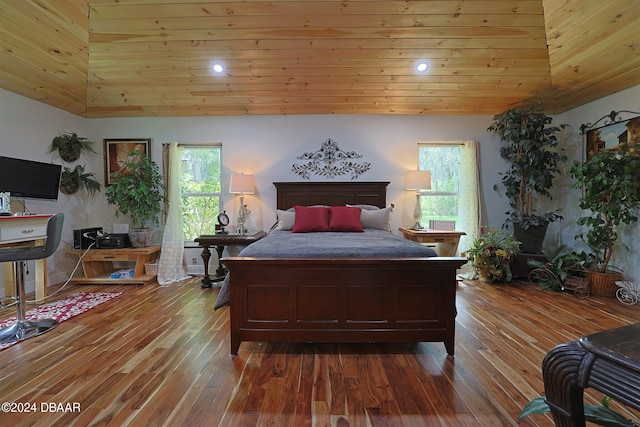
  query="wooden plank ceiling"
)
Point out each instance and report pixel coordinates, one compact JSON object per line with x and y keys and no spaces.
{"x":124,"y":58}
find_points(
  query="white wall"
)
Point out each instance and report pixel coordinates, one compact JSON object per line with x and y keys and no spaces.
{"x":267,"y":146}
{"x":26,"y":130}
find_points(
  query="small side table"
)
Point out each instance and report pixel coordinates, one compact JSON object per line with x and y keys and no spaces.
{"x":607,"y":361}
{"x":446,"y":240}
{"x":219,"y":241}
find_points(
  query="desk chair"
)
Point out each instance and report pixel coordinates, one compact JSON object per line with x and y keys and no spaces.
{"x":23,"y":329}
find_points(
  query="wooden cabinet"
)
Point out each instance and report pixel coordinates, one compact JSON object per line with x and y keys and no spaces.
{"x":98,"y":264}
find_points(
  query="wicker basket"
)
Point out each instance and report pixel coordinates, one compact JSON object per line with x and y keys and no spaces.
{"x":578,"y":285}
{"x":151,"y":268}
{"x":603,"y":284}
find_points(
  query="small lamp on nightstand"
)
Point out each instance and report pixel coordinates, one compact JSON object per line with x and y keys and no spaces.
{"x":242,"y":184}
{"x":418,"y":181}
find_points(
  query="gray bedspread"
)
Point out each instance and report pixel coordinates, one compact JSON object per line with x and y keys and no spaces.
{"x":370,"y":244}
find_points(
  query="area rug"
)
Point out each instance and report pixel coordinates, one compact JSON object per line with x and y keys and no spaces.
{"x":64,"y":309}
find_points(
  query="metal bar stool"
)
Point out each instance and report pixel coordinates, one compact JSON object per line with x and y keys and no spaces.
{"x":23,"y":329}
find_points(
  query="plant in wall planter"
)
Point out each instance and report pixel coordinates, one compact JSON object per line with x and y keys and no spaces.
{"x":70,"y":146}
{"x":137,"y":191}
{"x":530,"y":149}
{"x":72,"y":180}
{"x":611,"y":197}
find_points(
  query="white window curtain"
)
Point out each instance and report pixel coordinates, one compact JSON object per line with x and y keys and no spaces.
{"x":171,"y":267}
{"x":469,"y":200}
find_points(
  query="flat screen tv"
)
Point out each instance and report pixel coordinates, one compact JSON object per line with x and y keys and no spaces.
{"x":29,"y":179}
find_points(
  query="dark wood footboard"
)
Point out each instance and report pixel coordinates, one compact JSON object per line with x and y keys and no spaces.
{"x":343,"y":300}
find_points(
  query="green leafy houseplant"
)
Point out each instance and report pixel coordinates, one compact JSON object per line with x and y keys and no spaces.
{"x":137,"y":190}
{"x":610,"y":182}
{"x":70,"y":146}
{"x":490,"y":253}
{"x":530,"y":150}
{"x":601,"y":415}
{"x":73,"y":180}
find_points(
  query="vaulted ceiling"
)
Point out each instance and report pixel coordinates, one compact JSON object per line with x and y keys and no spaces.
{"x":125,"y":58}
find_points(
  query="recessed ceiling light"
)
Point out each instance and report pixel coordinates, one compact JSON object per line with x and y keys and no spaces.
{"x":422,"y":66}
{"x":218,"y":68}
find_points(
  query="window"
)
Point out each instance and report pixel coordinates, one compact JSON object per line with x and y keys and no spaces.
{"x":201,"y":189}
{"x":443,"y":161}
{"x":454,"y":193}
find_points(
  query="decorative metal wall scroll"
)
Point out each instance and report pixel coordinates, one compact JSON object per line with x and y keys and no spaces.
{"x":330,"y":161}
{"x":615,"y":133}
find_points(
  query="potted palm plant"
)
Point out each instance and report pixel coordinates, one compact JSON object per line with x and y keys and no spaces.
{"x":137,"y":190}
{"x":533,"y":163}
{"x":611,"y":197}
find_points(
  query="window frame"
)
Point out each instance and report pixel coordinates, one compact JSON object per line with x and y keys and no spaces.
{"x":219,"y":195}
{"x":434,"y":193}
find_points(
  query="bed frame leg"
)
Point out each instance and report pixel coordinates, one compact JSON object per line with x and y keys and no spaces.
{"x":449,"y":346}
{"x":235,"y":346}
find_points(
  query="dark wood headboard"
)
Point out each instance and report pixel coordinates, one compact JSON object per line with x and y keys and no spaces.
{"x":290,"y":194}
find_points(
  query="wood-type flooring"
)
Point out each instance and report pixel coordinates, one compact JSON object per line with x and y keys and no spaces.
{"x":159,"y":356}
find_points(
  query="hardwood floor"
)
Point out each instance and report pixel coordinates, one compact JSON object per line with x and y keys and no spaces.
{"x":160,"y":356}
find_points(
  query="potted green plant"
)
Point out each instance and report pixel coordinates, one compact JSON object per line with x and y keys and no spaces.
{"x":72,"y":180}
{"x":490,"y":253}
{"x":70,"y":146}
{"x":530,"y":149}
{"x":610,"y":186}
{"x":601,"y":415}
{"x":137,"y":190}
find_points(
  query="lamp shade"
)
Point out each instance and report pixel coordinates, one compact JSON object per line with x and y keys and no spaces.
{"x":418,"y":180}
{"x":241,"y":184}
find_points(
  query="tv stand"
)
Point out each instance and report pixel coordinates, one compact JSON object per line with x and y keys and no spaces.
{"x":98,"y":264}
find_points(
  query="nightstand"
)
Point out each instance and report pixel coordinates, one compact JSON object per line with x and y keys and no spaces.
{"x":219,"y":241}
{"x":445,"y":241}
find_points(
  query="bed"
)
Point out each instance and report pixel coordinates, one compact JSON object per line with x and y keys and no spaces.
{"x":341,"y":297}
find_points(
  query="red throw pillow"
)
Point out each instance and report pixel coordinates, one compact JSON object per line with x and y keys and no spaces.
{"x":311,"y":219}
{"x":345,"y":218}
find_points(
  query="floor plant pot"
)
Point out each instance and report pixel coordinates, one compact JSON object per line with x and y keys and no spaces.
{"x":530,"y":239}
{"x":603,"y":284}
{"x":140,"y":237}
{"x":487,"y":268}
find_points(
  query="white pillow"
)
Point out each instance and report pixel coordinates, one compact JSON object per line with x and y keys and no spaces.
{"x":285,"y":220}
{"x":365,"y":207}
{"x":376,"y":218}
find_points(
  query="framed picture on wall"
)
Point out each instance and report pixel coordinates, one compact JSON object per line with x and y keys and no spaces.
{"x":117,"y":152}
{"x":5,"y":203}
{"x":622,"y":136}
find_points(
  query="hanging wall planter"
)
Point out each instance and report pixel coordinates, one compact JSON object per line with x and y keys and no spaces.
{"x":70,"y":146}
{"x":73,"y":180}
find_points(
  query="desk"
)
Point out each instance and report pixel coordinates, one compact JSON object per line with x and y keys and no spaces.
{"x":220,"y":241}
{"x":446,"y":241}
{"x":607,"y":361}
{"x":25,"y":230}
{"x":98,"y":264}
